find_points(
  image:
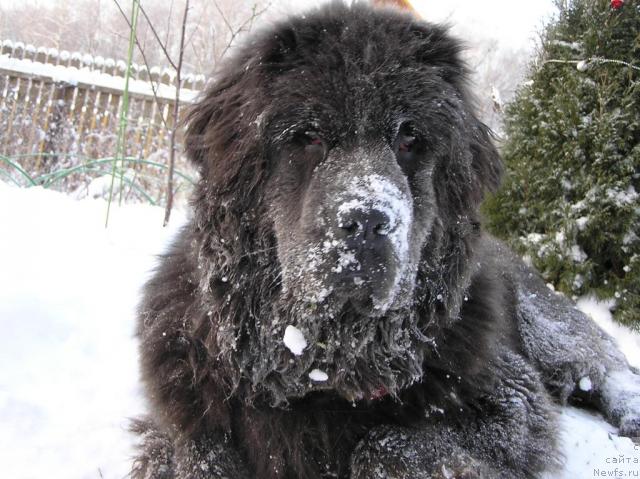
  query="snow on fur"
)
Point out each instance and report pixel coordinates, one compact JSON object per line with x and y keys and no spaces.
{"x":374,"y":192}
{"x":294,"y":340}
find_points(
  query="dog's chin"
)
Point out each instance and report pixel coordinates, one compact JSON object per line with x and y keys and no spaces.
{"x":363,"y":393}
{"x":361,"y":306}
{"x":363,"y":302}
{"x":352,"y":393}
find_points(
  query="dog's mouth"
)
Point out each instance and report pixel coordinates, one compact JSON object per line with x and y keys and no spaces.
{"x":360,"y":305}
{"x":353,"y":339}
{"x":332,"y":386}
{"x":356,"y":293}
{"x":341,"y":359}
{"x":332,"y":398}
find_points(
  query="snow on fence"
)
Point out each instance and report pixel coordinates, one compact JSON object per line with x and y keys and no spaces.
{"x":58,"y":107}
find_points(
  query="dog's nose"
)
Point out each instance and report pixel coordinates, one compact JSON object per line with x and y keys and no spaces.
{"x":365,"y":228}
{"x":365,"y":261}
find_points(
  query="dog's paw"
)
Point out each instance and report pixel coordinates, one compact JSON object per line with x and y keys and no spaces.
{"x":621,"y":401}
{"x":630,"y":427}
{"x":459,"y":471}
{"x":384,"y":453}
{"x":398,"y":453}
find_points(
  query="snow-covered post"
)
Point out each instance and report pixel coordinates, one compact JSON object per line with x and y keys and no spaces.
{"x":62,"y":95}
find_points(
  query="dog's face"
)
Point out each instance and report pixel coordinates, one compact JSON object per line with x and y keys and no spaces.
{"x":352,"y":203}
{"x":371,"y":162}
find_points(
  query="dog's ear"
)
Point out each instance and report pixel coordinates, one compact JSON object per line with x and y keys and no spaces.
{"x":486,"y":162}
{"x":222,"y":132}
{"x":471,"y":168}
{"x":278,"y":49}
{"x":432,"y":46}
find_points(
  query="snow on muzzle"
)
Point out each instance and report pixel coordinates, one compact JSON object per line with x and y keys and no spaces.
{"x":373,"y":218}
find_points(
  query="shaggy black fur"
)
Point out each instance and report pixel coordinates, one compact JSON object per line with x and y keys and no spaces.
{"x":341,"y":171}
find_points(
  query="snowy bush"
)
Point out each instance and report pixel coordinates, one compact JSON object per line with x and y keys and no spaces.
{"x":571,"y":200}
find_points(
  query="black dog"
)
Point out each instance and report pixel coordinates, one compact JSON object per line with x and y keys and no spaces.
{"x":333,"y":309}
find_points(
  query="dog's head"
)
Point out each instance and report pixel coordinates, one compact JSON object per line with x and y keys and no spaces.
{"x":342,"y":168}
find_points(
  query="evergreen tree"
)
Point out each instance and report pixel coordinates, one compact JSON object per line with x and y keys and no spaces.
{"x":571,"y":201}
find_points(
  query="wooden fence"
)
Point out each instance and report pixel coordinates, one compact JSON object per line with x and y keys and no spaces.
{"x":61,"y":108}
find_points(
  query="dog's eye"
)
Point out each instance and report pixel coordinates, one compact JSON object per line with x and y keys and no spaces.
{"x":311,"y":138}
{"x":406,"y":144}
{"x":313,"y":143}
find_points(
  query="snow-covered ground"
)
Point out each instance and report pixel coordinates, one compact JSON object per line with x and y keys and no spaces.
{"x":68,"y":365}
{"x":68,"y":361}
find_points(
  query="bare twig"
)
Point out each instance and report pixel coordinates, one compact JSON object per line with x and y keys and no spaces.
{"x":155,"y":34}
{"x":224,"y":18}
{"x":154,"y":87}
{"x":193,"y":31}
{"x":234,"y":33}
{"x":593,"y":60}
{"x":176,"y":111}
{"x":178,"y":66}
{"x":166,"y":40}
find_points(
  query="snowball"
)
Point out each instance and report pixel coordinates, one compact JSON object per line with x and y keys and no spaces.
{"x":585,"y":384}
{"x":317,"y":375}
{"x":294,"y":340}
